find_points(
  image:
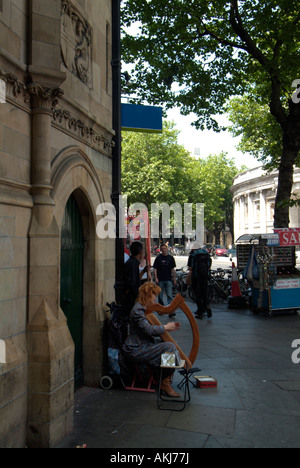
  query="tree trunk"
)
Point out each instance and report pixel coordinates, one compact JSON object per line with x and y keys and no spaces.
{"x":291,"y":148}
{"x":284,"y":190}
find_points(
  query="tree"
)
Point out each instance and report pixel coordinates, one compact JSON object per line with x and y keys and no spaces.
{"x":156,"y":169}
{"x":212,"y":180}
{"x":196,"y":54}
{"x":260,"y":133}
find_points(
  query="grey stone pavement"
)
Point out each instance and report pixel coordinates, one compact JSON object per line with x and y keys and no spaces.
{"x":256,"y":403}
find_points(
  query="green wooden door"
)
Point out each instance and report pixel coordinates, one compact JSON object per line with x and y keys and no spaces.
{"x":71,"y":294}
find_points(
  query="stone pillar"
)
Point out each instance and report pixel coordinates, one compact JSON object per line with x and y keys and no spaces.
{"x":250,"y":214}
{"x":263,"y":213}
{"x":242,"y":215}
{"x":236,"y":220}
{"x":50,"y":347}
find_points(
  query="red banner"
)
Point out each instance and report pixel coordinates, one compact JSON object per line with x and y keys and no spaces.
{"x":289,"y":237}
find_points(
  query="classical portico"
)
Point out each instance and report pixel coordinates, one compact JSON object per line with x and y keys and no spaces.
{"x":254,"y":194}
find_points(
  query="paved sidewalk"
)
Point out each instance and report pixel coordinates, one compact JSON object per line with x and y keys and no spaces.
{"x":256,"y":403}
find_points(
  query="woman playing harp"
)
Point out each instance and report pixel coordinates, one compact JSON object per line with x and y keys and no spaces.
{"x":140,"y":346}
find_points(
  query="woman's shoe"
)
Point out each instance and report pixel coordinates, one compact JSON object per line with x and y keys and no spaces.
{"x":167,"y":388}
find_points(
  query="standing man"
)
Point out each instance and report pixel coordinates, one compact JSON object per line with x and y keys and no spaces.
{"x":164,"y":274}
{"x":133,"y":275}
{"x":199,"y":264}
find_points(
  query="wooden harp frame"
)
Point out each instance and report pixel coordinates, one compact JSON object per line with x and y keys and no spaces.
{"x":177,"y":303}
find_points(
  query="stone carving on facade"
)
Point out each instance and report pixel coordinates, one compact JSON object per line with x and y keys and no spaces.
{"x":76,"y":43}
{"x":81,"y":130}
{"x":14,"y":87}
{"x":44,"y":98}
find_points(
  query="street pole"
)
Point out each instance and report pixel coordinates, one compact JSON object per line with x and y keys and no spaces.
{"x":116,"y":173}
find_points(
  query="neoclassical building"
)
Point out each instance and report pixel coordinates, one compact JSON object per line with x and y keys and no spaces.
{"x":254,"y":194}
{"x":56,"y":164}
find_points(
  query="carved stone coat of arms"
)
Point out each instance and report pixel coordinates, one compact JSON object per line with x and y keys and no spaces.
{"x":76,"y":43}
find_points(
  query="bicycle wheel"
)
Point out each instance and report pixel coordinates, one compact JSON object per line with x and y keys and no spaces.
{"x":211,"y":294}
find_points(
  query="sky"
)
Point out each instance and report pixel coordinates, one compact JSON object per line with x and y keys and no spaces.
{"x":209,"y":142}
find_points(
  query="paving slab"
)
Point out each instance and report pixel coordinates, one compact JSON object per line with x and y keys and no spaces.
{"x":256,"y":402}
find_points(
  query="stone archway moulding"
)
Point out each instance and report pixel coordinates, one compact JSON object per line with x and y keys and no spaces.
{"x":72,"y":170}
{"x":73,"y":173}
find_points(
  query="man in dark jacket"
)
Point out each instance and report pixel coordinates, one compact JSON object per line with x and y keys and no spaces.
{"x":200,"y":264}
{"x":132,"y":275}
{"x":164,"y":272}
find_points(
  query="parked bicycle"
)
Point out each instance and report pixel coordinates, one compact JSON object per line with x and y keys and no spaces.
{"x":181,"y":287}
{"x":219,"y":286}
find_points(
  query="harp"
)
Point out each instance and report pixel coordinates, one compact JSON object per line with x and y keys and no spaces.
{"x":177,"y":303}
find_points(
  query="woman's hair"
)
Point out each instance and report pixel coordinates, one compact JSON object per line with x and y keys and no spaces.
{"x":146,"y":291}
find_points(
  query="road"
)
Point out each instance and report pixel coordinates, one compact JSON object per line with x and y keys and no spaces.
{"x":220,"y":262}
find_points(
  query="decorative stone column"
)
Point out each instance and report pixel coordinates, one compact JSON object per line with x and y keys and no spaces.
{"x":242,"y":215}
{"x":250,"y":214}
{"x":236,"y":219}
{"x":50,"y":346}
{"x":263,"y":212}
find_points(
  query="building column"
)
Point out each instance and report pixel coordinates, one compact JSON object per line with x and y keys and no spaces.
{"x":236,"y":215}
{"x":250,"y":214}
{"x":263,"y":213}
{"x":242,"y":216}
{"x":50,"y":346}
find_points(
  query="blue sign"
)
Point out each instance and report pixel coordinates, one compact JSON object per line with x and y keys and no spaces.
{"x":137,"y":118}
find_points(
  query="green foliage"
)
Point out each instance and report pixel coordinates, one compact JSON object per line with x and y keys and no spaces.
{"x":156,"y":169}
{"x":260,"y":134}
{"x":198,"y":53}
{"x":153,"y":167}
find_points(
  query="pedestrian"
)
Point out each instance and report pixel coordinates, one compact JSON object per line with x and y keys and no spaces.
{"x":164,"y":274}
{"x":133,"y":275}
{"x":140,"y":346}
{"x":199,"y":264}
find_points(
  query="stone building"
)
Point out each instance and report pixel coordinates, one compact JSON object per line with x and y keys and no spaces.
{"x":254,"y":194}
{"x":56,"y":157}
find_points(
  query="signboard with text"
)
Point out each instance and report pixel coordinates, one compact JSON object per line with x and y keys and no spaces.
{"x":288,"y":237}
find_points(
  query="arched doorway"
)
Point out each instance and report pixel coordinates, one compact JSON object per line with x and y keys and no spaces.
{"x":71,"y":283}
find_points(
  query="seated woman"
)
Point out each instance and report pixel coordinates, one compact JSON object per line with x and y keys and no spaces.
{"x":139,"y":346}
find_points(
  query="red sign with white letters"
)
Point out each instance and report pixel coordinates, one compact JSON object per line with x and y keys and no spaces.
{"x":289,"y":237}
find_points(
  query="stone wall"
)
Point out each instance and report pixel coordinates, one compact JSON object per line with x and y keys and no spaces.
{"x":56,"y":140}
